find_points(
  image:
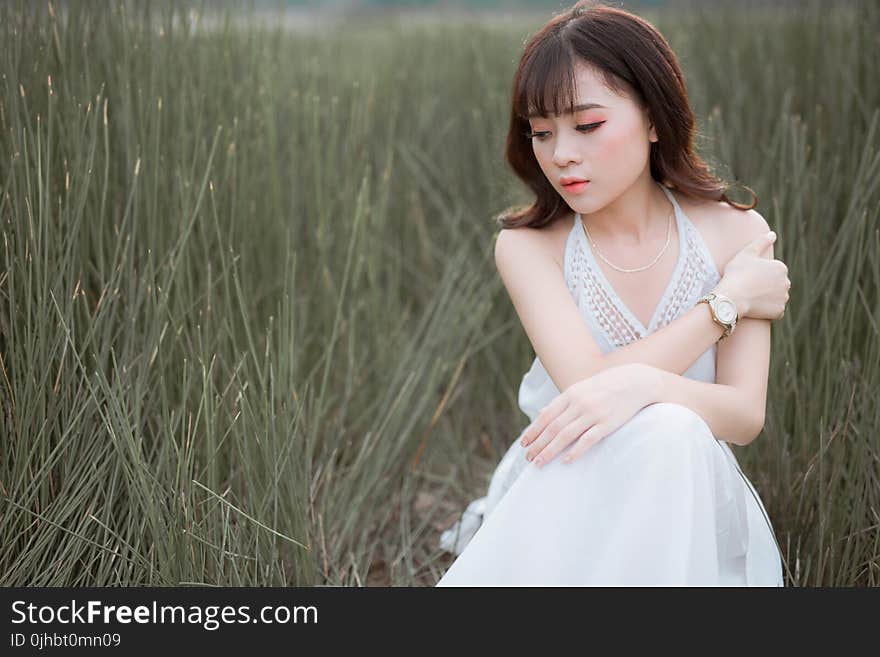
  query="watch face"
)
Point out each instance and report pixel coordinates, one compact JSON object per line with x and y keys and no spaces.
{"x":726,"y":311}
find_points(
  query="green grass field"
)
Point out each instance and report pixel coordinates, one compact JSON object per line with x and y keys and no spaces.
{"x":250,"y":326}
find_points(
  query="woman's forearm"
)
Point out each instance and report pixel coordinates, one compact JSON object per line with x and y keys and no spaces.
{"x":673,"y":348}
{"x":728,"y":412}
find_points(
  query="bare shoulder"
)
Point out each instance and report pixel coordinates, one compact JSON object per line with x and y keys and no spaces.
{"x":533,"y":244}
{"x":725,"y":229}
{"x":513,"y":245}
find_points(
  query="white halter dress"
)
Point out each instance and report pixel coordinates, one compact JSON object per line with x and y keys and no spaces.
{"x":659,"y":502}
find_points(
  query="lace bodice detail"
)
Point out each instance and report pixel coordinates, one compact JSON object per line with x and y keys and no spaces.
{"x":584,"y":284}
{"x":694,"y":272}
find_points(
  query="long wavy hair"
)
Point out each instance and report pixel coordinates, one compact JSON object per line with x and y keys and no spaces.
{"x":633,"y":59}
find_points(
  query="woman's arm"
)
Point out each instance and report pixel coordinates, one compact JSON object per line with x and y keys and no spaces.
{"x":734,"y":406}
{"x":734,"y":414}
{"x":557,"y":331}
{"x":675,"y":347}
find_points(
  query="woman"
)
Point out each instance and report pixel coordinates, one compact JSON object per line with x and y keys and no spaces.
{"x":626,"y":476}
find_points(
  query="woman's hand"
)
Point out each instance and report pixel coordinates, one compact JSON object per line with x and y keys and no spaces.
{"x":757,"y":283}
{"x":589,"y":410}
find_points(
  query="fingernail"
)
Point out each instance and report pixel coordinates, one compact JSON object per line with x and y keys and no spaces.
{"x":538,"y":461}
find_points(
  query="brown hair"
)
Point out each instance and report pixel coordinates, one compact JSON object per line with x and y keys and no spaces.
{"x":632,"y":57}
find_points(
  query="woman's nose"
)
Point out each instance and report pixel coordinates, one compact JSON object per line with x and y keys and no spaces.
{"x":565,"y":152}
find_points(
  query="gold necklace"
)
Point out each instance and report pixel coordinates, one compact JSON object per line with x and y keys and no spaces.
{"x":653,"y":262}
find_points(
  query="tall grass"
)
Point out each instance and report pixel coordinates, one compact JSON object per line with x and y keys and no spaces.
{"x":250,"y":327}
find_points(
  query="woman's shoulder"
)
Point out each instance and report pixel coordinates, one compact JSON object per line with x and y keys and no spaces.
{"x":548,"y":242}
{"x":726,"y":230}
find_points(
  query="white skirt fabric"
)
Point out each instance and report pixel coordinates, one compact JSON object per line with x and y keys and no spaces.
{"x":658,"y":502}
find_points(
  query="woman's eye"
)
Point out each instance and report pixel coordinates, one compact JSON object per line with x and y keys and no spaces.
{"x":589,"y":127}
{"x":542,"y":135}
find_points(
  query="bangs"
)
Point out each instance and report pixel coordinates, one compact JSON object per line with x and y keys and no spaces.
{"x":547,"y":84}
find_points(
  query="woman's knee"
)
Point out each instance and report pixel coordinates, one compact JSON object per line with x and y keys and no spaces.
{"x":675,"y":424}
{"x":664,"y":426}
{"x":675,"y":413}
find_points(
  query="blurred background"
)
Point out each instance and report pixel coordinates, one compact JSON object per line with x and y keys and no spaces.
{"x":251,"y":331}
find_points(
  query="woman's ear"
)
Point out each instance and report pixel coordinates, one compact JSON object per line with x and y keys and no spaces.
{"x":652,"y":133}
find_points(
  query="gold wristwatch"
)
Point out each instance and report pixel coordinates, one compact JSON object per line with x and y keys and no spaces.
{"x":723,"y":311}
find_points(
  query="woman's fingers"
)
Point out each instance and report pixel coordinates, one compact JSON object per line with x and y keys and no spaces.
{"x":534,"y":429}
{"x":550,"y":433}
{"x":563,"y":439}
{"x":542,"y":419}
{"x":589,"y":438}
{"x":531,"y":431}
{"x":760,"y":244}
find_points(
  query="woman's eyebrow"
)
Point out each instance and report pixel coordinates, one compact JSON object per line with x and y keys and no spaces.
{"x":577,"y":108}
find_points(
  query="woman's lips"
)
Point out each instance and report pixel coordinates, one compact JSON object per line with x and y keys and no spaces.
{"x":576,"y":187}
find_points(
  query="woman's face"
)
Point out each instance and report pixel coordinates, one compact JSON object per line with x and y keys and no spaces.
{"x":609,"y":146}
